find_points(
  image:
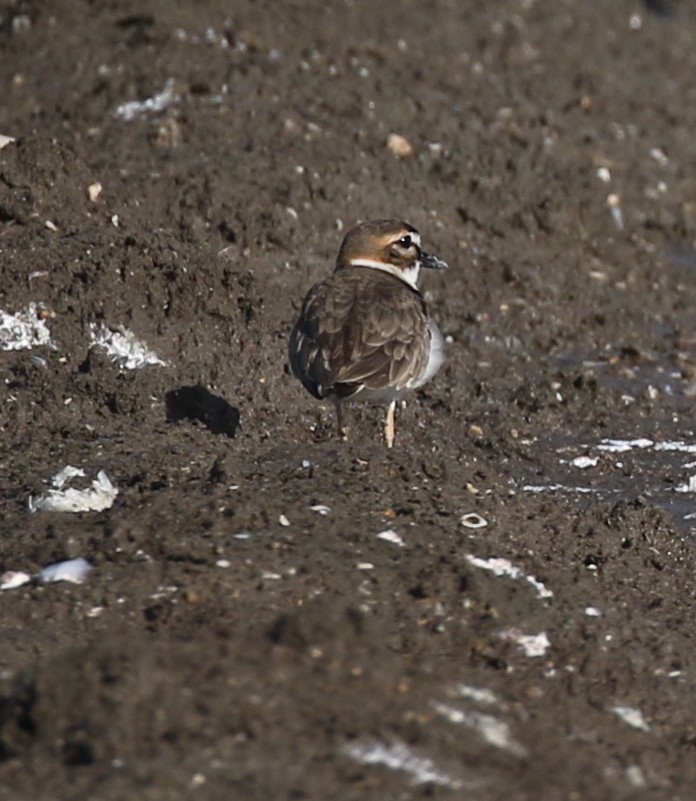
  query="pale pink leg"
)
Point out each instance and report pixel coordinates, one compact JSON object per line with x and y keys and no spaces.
{"x":342,"y":430}
{"x":389,"y":425}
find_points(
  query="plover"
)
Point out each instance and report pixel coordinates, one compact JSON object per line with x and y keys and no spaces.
{"x":364,"y":332}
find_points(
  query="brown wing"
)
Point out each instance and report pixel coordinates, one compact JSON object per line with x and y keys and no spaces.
{"x":308,"y":340}
{"x":359,"y":329}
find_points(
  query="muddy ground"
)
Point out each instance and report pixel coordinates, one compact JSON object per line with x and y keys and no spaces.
{"x":231,"y":641}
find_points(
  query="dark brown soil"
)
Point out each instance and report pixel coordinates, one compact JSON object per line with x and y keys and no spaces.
{"x":231,"y":642}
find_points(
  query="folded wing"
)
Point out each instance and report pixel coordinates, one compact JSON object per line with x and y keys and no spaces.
{"x":358,"y":333}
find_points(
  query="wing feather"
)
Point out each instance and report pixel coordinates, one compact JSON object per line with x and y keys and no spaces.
{"x":359,"y":329}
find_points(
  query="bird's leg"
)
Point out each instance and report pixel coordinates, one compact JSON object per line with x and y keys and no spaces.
{"x":342,"y":429}
{"x":389,"y":425}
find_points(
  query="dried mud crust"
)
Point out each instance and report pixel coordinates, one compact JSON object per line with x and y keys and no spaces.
{"x":244,"y":632}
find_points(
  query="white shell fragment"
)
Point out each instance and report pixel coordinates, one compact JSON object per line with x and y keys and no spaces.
{"x":320,"y":509}
{"x":614,"y":204}
{"x":391,"y":536}
{"x":159,"y":102}
{"x":479,"y":695}
{"x":23,"y":330}
{"x":632,"y":717}
{"x":473,"y":520}
{"x":531,"y":644}
{"x":690,"y":485}
{"x":94,"y":190}
{"x":583,"y":462}
{"x":624,"y":445}
{"x":123,"y":347}
{"x":62,"y":477}
{"x":99,"y":496}
{"x":5,"y":140}
{"x":12,"y":579}
{"x":73,"y":570}
{"x":399,"y":145}
{"x":536,"y":488}
{"x":504,"y":567}
{"x":492,"y":730}
{"x":282,"y":519}
{"x":399,"y":756}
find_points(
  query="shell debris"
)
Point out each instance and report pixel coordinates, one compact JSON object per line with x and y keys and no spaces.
{"x":399,"y":145}
{"x":11,"y":579}
{"x":72,"y":570}
{"x":504,"y":567}
{"x":473,"y":520}
{"x":391,"y":536}
{"x":94,"y":190}
{"x":532,"y":644}
{"x":631,"y":717}
{"x":99,"y":496}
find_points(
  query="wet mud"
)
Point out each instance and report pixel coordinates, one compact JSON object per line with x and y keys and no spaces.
{"x":501,"y":607}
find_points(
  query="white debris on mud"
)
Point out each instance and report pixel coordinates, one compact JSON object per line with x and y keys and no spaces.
{"x":532,"y":644}
{"x":632,"y":717}
{"x":492,"y":730}
{"x":99,"y":496}
{"x":393,"y":537}
{"x":398,"y":756}
{"x":690,"y":485}
{"x":536,"y":488}
{"x":583,"y":462}
{"x":479,"y":695}
{"x":473,"y":520}
{"x":11,"y":579}
{"x":23,"y":330}
{"x":72,"y":570}
{"x":504,"y":567}
{"x":624,"y":445}
{"x":123,"y":347}
{"x":159,"y":102}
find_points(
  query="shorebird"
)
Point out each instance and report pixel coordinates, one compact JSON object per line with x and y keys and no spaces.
{"x":364,"y":332}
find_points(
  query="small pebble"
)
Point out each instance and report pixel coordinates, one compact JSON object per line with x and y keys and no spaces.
{"x":399,"y":145}
{"x":94,"y":190}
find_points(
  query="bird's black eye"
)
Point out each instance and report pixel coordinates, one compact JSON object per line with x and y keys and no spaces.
{"x":406,"y":241}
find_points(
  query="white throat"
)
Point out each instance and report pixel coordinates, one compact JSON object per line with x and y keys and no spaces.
{"x":409,"y":275}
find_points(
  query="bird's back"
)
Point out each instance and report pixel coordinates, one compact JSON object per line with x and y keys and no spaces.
{"x":360,"y":331}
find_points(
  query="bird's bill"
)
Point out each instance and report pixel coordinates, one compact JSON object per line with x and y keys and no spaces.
{"x":431,"y":262}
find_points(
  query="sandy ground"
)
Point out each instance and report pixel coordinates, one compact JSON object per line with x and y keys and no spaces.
{"x":182,"y":174}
